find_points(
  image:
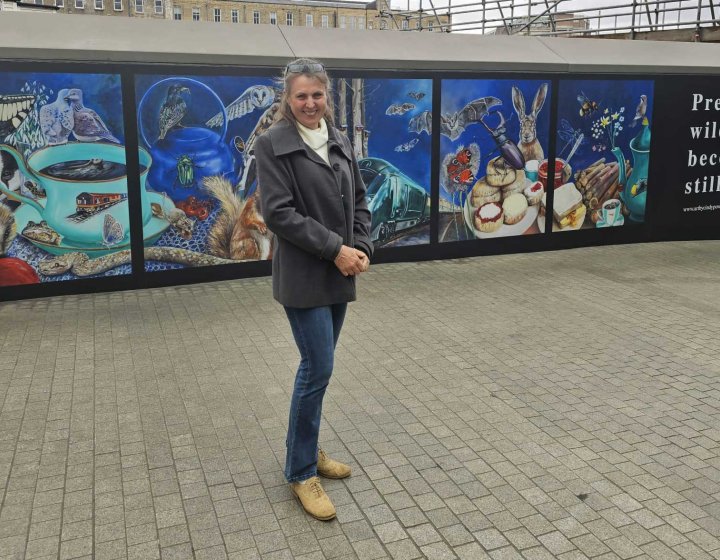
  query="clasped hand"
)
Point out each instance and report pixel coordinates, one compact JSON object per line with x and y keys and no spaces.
{"x":351,"y":261}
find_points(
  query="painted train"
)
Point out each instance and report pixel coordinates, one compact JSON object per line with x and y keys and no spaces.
{"x":92,"y":203}
{"x":397,"y":202}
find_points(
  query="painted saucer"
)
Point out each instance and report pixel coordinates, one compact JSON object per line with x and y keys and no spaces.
{"x":618,"y":222}
{"x":151,"y":231}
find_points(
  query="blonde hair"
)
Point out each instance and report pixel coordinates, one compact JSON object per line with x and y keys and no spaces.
{"x":284,"y":112}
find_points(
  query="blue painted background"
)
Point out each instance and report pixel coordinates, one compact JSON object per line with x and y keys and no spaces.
{"x":610,"y":95}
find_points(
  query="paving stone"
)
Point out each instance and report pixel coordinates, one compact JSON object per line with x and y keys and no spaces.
{"x":139,"y":424}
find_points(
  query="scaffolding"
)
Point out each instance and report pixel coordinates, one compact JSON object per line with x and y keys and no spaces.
{"x":561,"y":17}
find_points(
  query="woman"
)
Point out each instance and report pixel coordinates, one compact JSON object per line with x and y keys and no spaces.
{"x":313,"y":199}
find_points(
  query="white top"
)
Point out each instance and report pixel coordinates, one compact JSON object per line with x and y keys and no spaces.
{"x":317,"y":139}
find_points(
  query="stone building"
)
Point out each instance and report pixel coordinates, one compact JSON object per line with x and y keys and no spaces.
{"x":27,"y":6}
{"x":560,"y":23}
{"x":306,"y":13}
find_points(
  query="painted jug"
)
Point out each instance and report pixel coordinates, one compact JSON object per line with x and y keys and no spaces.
{"x":78,"y":197}
{"x":634,"y":193}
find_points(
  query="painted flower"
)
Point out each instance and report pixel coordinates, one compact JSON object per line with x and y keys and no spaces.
{"x":615,"y":116}
{"x":605,"y":121}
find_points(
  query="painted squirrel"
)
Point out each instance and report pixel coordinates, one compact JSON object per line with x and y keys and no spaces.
{"x":240,"y":232}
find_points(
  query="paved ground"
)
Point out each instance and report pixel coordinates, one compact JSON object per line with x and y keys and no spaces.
{"x":554,"y":405}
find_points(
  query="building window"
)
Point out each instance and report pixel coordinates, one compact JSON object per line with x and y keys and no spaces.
{"x":308,"y":20}
{"x":235,"y":16}
{"x":117,"y":5}
{"x":361,"y":23}
{"x":98,"y":4}
{"x":405,"y":24}
{"x":342,"y":22}
{"x":216,"y":14}
{"x":383,"y":24}
{"x":417,"y":24}
{"x":325,"y":21}
{"x":256,"y":17}
{"x":352,"y":22}
{"x":139,"y":6}
{"x":196,"y":14}
{"x":60,"y":3}
{"x":158,"y":6}
{"x":80,"y":4}
{"x":273,"y":18}
{"x":430,"y":26}
{"x":289,"y":18}
{"x":177,"y":13}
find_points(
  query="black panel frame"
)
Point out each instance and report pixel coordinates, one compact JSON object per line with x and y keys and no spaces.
{"x":139,"y":279}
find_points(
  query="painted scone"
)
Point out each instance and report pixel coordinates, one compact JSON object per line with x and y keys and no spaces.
{"x":482,"y":193}
{"x":517,"y":186}
{"x":514,"y":208}
{"x":533,"y":193}
{"x":499,"y":173}
{"x":489,"y":217}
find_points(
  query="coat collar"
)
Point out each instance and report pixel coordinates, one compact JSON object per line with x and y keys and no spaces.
{"x":286,"y":139}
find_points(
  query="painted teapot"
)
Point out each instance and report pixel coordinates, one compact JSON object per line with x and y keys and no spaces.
{"x":634,"y":193}
{"x":184,"y":155}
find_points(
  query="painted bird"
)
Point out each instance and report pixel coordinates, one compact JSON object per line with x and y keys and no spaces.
{"x":249,"y":174}
{"x":640,"y":111}
{"x":173,"y":109}
{"x":254,"y":97}
{"x":57,"y":119}
{"x":88,"y":127}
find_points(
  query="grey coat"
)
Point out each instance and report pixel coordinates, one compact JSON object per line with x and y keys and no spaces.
{"x":313,"y":209}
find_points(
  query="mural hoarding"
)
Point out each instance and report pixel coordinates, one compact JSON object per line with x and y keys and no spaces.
{"x":388,"y":123}
{"x":493,"y":143}
{"x":199,"y":133}
{"x":603,"y":153}
{"x":63,"y":185}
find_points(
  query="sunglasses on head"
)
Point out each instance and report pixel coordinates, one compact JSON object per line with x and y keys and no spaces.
{"x":304,"y":68}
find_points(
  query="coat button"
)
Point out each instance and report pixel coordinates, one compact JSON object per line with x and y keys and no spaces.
{"x":336,"y":166}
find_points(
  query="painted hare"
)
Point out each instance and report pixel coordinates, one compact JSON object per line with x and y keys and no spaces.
{"x":529,"y":144}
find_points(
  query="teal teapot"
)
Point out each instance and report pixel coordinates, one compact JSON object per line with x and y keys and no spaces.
{"x":634,"y":193}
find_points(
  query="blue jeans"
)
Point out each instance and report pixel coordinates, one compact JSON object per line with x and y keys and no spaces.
{"x":316,"y":331}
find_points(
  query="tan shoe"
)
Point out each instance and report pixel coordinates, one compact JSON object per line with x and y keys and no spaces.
{"x":329,"y":468}
{"x":313,"y":498}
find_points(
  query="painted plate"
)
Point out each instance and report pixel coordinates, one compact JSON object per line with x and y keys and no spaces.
{"x":151,"y":231}
{"x":504,"y":230}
